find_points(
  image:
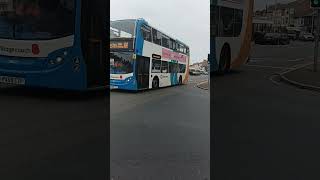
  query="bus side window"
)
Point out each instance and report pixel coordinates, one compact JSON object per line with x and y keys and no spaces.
{"x":156,"y":66}
{"x":215,"y":21}
{"x":156,"y":38}
{"x":174,"y":45}
{"x":165,"y":41}
{"x":181,"y":48}
{"x":171,"y":42}
{"x":238,"y":22}
{"x":226,"y":25}
{"x":178,"y":47}
{"x":146,"y":33}
{"x":164,"y":67}
{"x":182,"y":68}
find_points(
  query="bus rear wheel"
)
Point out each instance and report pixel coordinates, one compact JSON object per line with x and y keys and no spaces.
{"x":155,"y":83}
{"x":225,"y":58}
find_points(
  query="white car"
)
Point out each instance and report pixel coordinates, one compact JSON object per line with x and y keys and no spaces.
{"x":306,"y":37}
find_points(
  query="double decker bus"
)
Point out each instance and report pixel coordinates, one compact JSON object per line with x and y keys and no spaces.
{"x":142,"y":57}
{"x":56,"y":44}
{"x":231,"y":32}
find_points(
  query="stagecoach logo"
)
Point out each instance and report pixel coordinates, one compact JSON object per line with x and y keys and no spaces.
{"x":35,"y":50}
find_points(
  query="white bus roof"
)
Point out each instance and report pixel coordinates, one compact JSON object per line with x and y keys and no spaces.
{"x":141,"y":19}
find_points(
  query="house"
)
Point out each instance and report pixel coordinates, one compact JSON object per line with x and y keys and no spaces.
{"x":297,"y":14}
{"x":6,"y":6}
{"x":202,"y":66}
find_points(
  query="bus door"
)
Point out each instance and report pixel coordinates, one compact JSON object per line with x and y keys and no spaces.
{"x":143,"y":71}
{"x":94,"y":42}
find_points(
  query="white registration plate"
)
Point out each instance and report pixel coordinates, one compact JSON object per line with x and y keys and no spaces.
{"x":12,"y":80}
{"x":114,"y":87}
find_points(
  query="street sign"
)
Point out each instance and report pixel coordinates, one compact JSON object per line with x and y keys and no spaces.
{"x":315,"y":3}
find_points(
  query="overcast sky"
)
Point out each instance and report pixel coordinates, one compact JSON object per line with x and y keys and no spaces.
{"x":186,"y":20}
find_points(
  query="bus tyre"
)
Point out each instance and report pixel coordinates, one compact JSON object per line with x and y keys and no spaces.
{"x":180,"y":80}
{"x":225,"y":58}
{"x":155,"y":83}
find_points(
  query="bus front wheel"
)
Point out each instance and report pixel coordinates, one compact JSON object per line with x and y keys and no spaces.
{"x":225,"y":58}
{"x":155,"y":83}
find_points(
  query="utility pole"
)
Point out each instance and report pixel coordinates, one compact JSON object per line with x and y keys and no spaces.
{"x":316,"y":47}
{"x":315,"y":4}
{"x":312,"y":28}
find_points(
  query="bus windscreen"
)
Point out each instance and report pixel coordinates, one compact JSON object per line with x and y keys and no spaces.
{"x":37,"y":19}
{"x":121,"y":63}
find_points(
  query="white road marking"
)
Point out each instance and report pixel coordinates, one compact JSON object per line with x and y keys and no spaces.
{"x":262,"y":66}
{"x":295,"y":60}
{"x":271,"y":78}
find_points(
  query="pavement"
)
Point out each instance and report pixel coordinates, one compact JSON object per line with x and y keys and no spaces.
{"x":264,"y":128}
{"x":303,"y":77}
{"x":161,"y":134}
{"x":204,"y":85}
{"x":52,"y":135}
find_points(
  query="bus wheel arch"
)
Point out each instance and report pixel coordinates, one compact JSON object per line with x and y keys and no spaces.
{"x":155,"y":82}
{"x":225,"y":59}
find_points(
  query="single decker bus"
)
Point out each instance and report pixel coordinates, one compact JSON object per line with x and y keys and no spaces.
{"x":142,"y":57}
{"x":56,"y":44}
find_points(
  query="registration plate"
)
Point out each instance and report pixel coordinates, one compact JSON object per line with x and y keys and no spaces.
{"x":114,"y":87}
{"x":12,"y":80}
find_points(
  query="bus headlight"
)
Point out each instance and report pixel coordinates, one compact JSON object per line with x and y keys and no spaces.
{"x":58,"y":60}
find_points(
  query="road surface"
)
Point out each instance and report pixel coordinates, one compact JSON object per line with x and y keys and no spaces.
{"x":52,"y":135}
{"x":161,"y":134}
{"x":265,"y":129}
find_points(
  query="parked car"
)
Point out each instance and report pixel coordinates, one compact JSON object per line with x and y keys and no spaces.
{"x":194,"y":72}
{"x":284,"y":39}
{"x":264,"y":39}
{"x":274,"y":39}
{"x":304,"y":36}
{"x":292,"y":34}
{"x":257,"y":36}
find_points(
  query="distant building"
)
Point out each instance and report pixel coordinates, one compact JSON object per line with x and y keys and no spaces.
{"x":296,"y":14}
{"x":202,"y":66}
{"x":6,"y":6}
{"x":261,"y":24}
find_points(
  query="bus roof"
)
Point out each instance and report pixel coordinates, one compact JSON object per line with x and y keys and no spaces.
{"x":146,"y":22}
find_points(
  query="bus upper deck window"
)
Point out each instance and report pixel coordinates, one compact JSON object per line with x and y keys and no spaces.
{"x":165,"y":41}
{"x":170,"y":44}
{"x":146,"y":33}
{"x":173,"y":45}
{"x":156,"y":38}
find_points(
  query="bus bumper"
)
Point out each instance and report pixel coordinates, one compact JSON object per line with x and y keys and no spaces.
{"x":57,"y":79}
{"x":126,"y":84}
